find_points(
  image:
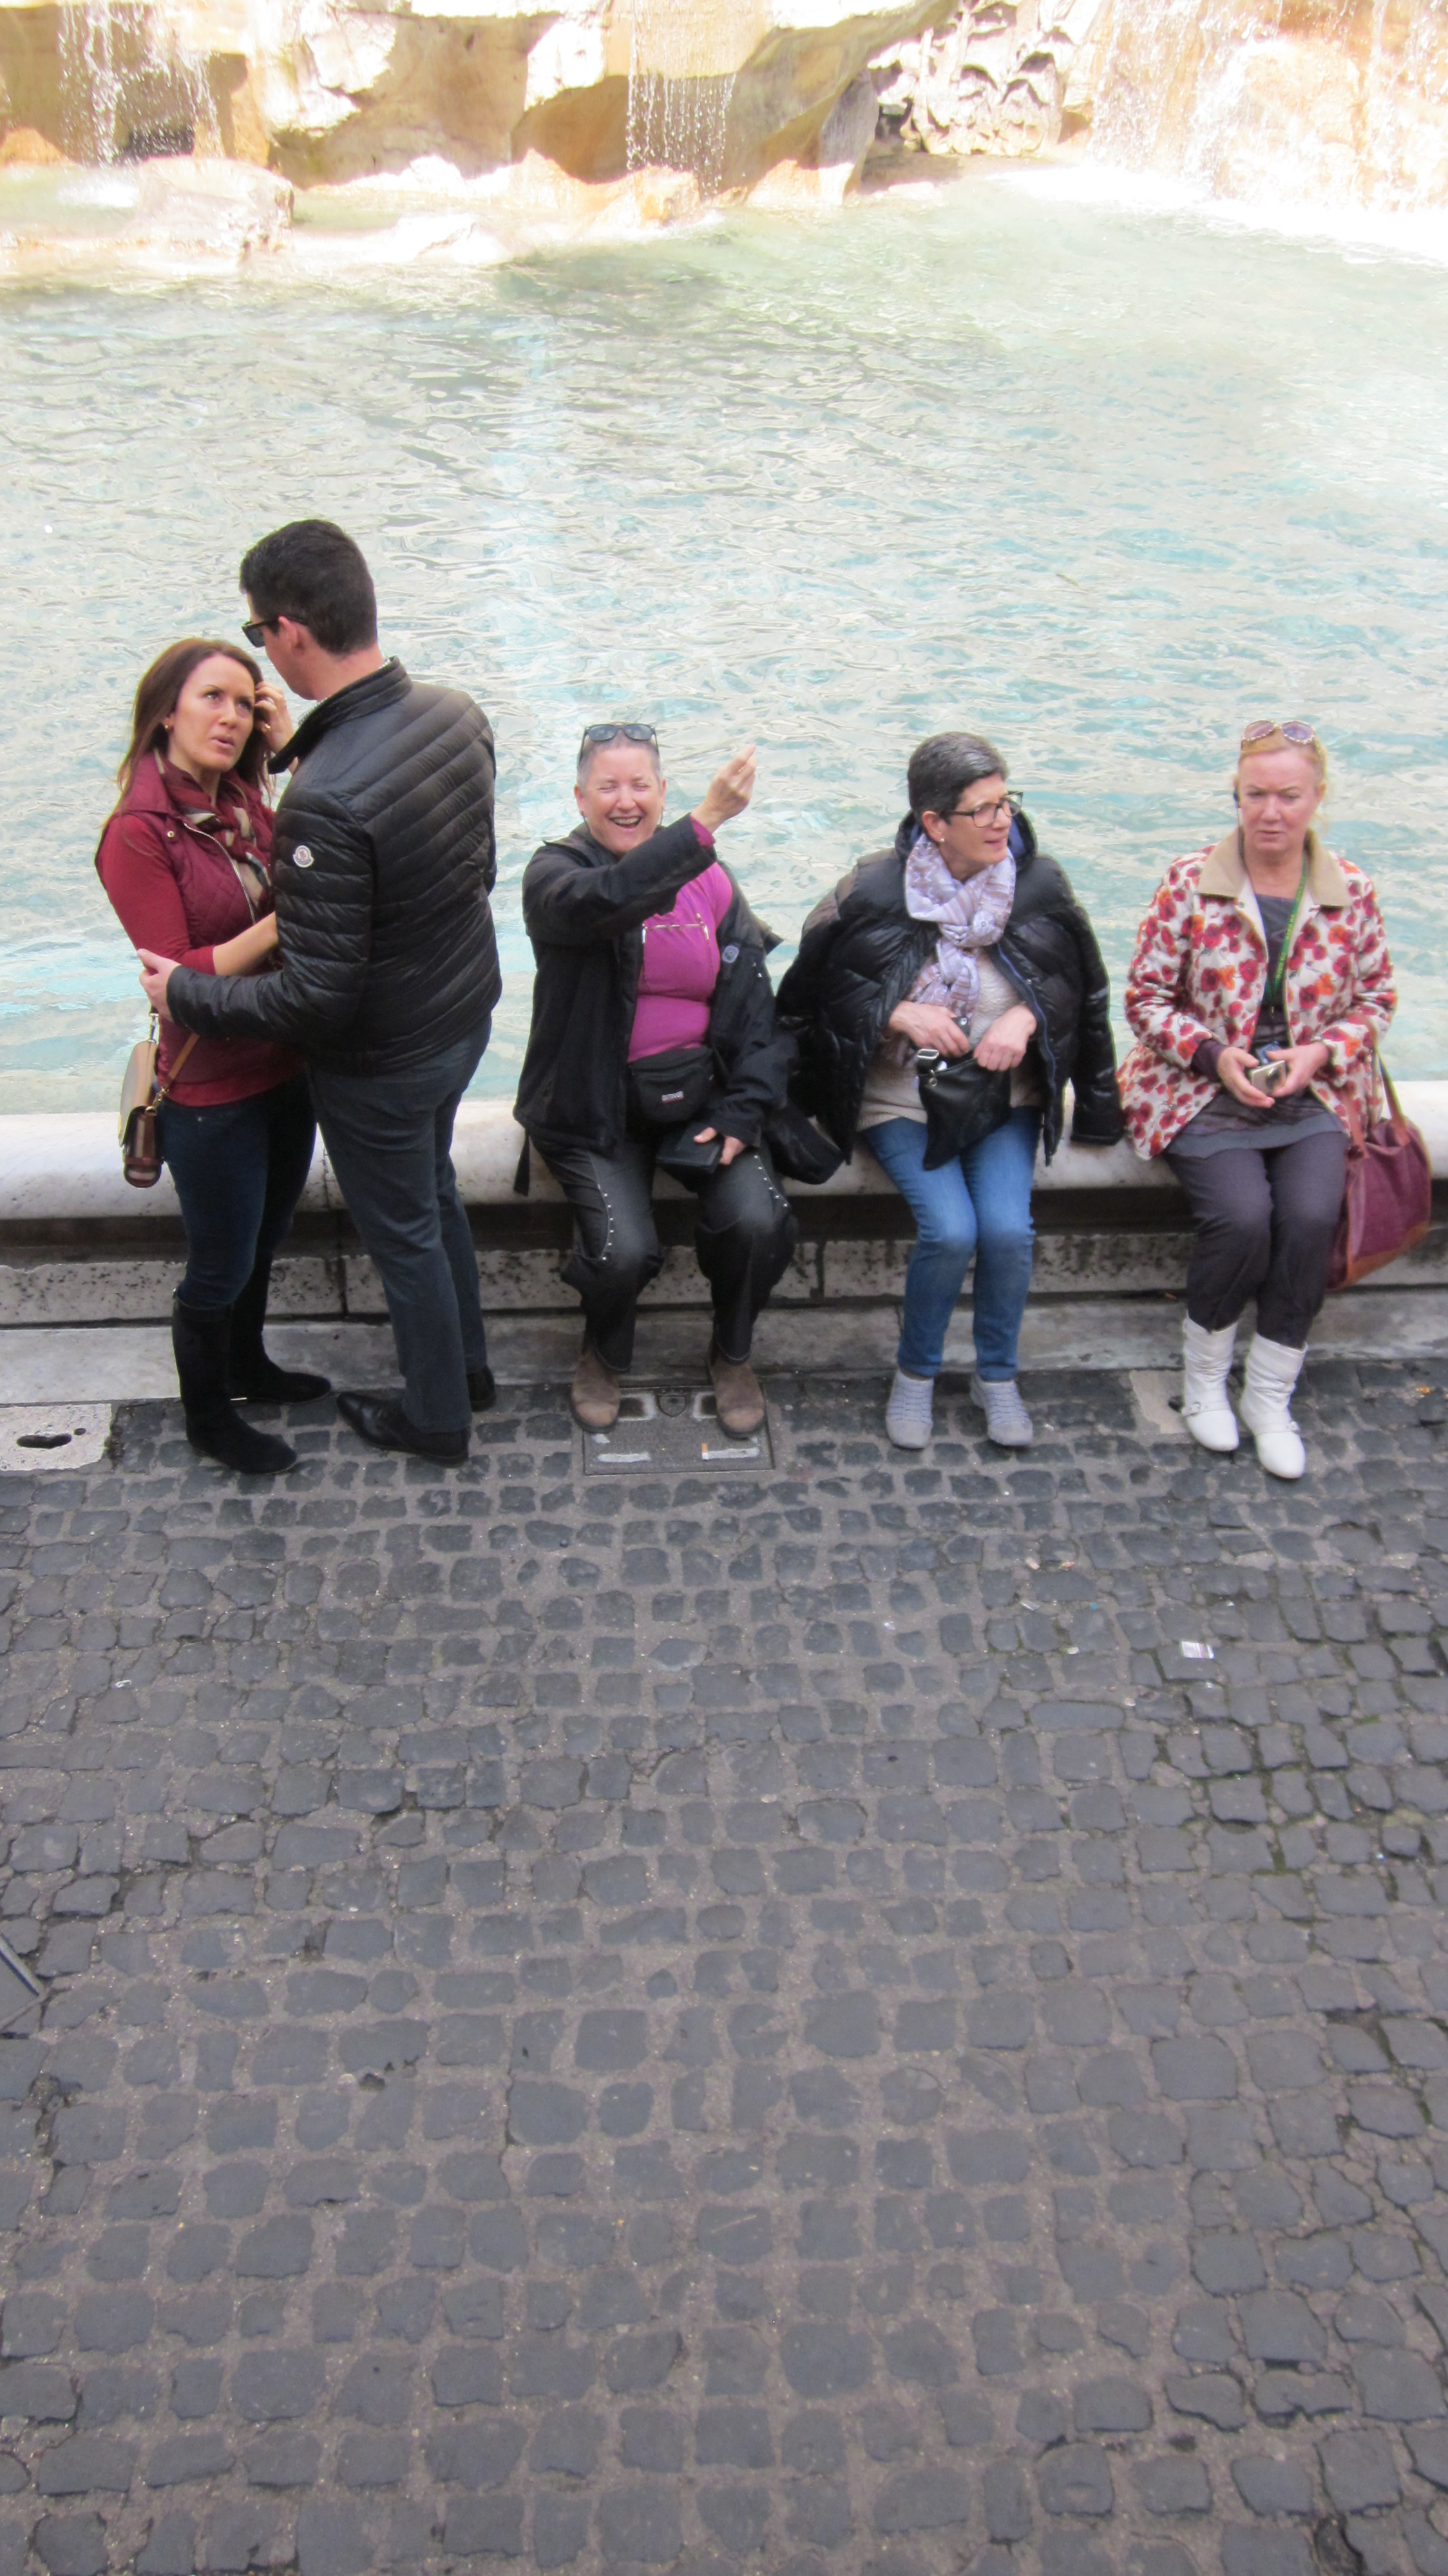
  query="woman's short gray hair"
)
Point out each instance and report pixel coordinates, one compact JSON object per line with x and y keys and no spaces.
{"x":941,"y":770}
{"x":588,"y":753}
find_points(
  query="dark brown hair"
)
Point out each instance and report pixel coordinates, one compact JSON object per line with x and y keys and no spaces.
{"x":156,"y":698}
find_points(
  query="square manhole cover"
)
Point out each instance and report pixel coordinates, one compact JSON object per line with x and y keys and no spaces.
{"x":671,"y":1430}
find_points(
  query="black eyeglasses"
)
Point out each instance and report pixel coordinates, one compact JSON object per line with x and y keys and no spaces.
{"x":595,"y":735}
{"x":254,"y":631}
{"x":994,"y":812}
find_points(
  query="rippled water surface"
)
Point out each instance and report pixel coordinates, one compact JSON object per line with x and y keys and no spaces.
{"x":1100,"y":482}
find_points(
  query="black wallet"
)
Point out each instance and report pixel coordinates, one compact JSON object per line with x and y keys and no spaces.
{"x":681,"y":1154}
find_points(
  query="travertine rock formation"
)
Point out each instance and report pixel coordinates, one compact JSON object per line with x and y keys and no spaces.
{"x":1339,"y":101}
{"x":1343,"y":102}
{"x":566,"y":108}
{"x":991,"y":78}
{"x":329,"y":90}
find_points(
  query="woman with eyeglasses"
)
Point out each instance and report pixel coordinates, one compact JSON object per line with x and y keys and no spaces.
{"x":186,"y":861}
{"x":1259,"y":988}
{"x":654,"y":1041}
{"x":963,"y":940}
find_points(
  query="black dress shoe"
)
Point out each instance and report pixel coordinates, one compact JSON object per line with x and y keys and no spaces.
{"x":377,"y":1419}
{"x":482,"y":1390}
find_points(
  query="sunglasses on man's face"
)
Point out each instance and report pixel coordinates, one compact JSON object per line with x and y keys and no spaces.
{"x":254,"y":631}
{"x":596,"y":735}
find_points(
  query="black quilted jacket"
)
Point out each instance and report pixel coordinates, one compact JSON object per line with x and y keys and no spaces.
{"x":860,"y":952}
{"x":383,"y":865}
{"x":584,"y":911}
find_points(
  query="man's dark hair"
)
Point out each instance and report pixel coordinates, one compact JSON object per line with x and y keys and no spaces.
{"x":941,"y":770}
{"x":312,"y":572}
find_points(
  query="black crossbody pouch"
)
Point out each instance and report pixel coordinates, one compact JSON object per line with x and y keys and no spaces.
{"x":668,"y":1090}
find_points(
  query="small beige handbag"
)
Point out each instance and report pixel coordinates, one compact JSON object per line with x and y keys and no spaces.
{"x":141,"y":1097}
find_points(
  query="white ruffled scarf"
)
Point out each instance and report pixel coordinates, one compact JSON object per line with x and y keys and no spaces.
{"x":969,"y":917}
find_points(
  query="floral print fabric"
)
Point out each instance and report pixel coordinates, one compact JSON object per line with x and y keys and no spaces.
{"x":1199,"y":970}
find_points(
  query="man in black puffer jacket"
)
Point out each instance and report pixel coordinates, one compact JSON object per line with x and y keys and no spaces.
{"x":383,"y":863}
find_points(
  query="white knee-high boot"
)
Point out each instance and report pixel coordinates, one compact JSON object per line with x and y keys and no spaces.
{"x":1271,"y":1374}
{"x":1206,"y":1358}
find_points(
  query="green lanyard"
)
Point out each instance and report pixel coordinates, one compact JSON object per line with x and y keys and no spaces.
{"x":1271,"y":999}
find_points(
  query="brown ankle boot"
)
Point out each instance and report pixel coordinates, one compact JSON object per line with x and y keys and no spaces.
{"x":737,"y":1395}
{"x":595,"y":1392}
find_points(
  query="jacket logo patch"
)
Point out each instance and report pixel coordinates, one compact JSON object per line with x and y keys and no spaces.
{"x":301,"y":856}
{"x":728,"y":955}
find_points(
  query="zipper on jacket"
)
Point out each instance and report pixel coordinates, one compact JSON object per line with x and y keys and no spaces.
{"x":1042,"y":1040}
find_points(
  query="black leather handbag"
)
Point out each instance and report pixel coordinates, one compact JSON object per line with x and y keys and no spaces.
{"x":797,"y":1147}
{"x":963,"y":1104}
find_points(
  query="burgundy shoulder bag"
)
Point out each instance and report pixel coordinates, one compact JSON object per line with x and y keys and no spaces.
{"x":1387,"y":1199}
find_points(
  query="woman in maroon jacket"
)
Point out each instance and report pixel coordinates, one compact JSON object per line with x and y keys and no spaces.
{"x":186,"y":861}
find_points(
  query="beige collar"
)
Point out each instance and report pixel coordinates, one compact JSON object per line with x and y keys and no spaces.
{"x":1225,"y":872}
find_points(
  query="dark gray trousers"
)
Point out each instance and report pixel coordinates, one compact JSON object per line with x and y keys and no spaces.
{"x":389,"y":1141}
{"x":745,"y":1235}
{"x":1265,"y":1222}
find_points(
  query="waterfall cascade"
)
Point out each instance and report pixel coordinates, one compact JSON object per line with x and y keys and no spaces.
{"x":683,"y":59}
{"x":129,"y":90}
{"x":1337,"y":103}
{"x":1344,"y":102}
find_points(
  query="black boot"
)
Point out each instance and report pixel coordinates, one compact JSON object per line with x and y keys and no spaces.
{"x":249,"y":1372}
{"x":482,"y":1389}
{"x":200,"y":1336}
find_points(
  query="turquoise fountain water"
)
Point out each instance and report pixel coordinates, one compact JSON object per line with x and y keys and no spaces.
{"x":1100,"y":481}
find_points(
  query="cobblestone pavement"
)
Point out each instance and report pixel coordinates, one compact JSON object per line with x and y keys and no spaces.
{"x":793,"y":2020}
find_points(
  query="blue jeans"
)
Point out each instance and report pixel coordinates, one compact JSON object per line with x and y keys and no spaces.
{"x":981,"y":1206}
{"x":389,"y":1139}
{"x":239,"y":1170}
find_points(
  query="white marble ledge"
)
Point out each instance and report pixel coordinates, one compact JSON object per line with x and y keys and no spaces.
{"x":66,"y":1166}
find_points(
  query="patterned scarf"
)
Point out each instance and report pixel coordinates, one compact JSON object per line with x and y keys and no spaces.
{"x":227,"y":821}
{"x":969,"y":916}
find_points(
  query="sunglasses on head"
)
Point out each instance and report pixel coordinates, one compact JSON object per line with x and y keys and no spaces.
{"x":1296,"y":730}
{"x":595,"y":735}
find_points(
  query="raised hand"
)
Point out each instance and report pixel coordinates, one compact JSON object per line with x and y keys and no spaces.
{"x":729,"y":790}
{"x":273,"y":716}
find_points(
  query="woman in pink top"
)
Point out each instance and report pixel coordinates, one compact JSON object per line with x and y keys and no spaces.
{"x":654,"y":1038}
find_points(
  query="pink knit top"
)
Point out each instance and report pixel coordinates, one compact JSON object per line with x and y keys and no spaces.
{"x":681,"y":967}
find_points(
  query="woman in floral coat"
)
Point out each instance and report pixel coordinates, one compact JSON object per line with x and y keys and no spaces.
{"x":1260,"y":985}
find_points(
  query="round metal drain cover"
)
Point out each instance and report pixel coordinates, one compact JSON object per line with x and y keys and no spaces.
{"x":673,"y":1400}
